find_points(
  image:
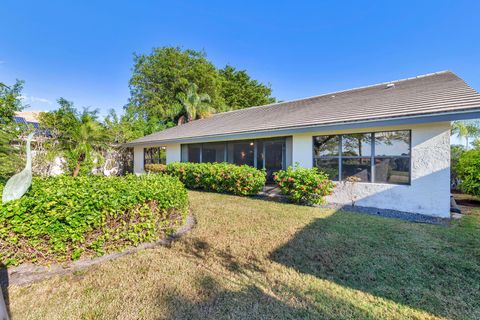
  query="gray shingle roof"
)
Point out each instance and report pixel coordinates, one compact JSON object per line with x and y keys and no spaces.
{"x":423,"y":95}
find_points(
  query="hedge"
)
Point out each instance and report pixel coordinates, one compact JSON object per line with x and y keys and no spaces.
{"x":468,"y":172}
{"x":217,"y":177}
{"x":65,"y":218}
{"x":305,"y":186}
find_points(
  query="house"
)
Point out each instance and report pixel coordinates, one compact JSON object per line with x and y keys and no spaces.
{"x":393,"y":136}
{"x":27,"y":118}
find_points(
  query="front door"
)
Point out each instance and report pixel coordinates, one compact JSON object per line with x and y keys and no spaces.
{"x":274,"y":152}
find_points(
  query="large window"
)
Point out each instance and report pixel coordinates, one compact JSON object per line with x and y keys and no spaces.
{"x":203,"y":152}
{"x":213,"y":152}
{"x":268,"y":154}
{"x":381,"y":157}
{"x":241,"y":152}
{"x":156,"y":155}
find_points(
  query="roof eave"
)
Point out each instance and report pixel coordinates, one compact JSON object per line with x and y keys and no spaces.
{"x":415,"y":119}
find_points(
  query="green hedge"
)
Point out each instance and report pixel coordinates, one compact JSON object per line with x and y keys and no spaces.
{"x":468,"y":171}
{"x":64,"y":218}
{"x":217,"y":177}
{"x":302,"y":185}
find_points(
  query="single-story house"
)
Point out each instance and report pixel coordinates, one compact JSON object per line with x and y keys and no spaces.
{"x":393,"y":136}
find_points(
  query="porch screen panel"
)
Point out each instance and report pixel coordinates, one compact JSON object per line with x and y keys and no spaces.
{"x":241,"y":152}
{"x":213,"y":152}
{"x":194,"y":153}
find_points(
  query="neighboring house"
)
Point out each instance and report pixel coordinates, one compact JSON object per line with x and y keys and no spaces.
{"x":394,"y":136}
{"x":27,"y":118}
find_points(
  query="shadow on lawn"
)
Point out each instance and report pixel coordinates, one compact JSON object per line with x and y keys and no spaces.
{"x":211,"y":300}
{"x":219,"y":303}
{"x":431,"y":268}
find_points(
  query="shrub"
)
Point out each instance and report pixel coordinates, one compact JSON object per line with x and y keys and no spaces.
{"x":302,"y":185}
{"x":468,"y":171}
{"x":217,"y":177}
{"x":456,"y":150}
{"x":64,"y":218}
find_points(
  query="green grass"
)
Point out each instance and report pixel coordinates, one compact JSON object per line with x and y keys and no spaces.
{"x":252,"y":259}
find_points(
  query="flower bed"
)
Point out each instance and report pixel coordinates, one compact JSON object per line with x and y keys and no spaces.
{"x":64,"y":218}
{"x":217,"y":177}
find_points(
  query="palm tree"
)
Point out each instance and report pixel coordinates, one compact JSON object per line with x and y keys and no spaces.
{"x":194,"y":105}
{"x":88,"y":137}
{"x":466,"y":129}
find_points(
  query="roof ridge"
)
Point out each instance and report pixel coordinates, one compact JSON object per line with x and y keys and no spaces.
{"x":338,"y":91}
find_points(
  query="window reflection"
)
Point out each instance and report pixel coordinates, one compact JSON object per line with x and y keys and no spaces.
{"x":387,"y":154}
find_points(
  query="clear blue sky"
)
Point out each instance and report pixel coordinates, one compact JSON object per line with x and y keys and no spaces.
{"x":82,"y":50}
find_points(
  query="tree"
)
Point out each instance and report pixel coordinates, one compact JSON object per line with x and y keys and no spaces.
{"x":82,"y":137}
{"x":239,"y":91}
{"x":132,"y":125}
{"x":10,"y":101}
{"x":9,"y":104}
{"x":159,"y":77}
{"x":466,"y":130}
{"x":456,"y":151}
{"x":194,"y":105}
{"x":468,"y":171}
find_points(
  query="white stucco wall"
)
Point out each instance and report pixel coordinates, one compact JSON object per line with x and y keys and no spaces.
{"x":138,"y":160}
{"x":429,"y":192}
{"x":173,"y":155}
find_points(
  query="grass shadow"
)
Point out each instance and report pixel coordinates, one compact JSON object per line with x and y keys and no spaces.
{"x":249,"y":302}
{"x":430,"y":268}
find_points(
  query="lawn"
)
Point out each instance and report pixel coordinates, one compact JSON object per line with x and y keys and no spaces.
{"x":253,"y":259}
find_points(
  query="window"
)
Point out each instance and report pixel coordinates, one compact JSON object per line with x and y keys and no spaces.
{"x":241,"y":152}
{"x":329,"y":166}
{"x":194,"y":153}
{"x":156,"y":155}
{"x":260,"y":153}
{"x":382,"y":157}
{"x":326,"y":146}
{"x":213,"y":152}
{"x":203,"y":152}
{"x":392,"y":157}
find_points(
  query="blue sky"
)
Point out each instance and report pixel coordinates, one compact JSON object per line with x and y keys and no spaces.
{"x":83,"y":50}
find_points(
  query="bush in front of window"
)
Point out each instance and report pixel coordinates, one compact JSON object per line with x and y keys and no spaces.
{"x":304,"y":186}
{"x":156,"y":168}
{"x":217,"y":177}
{"x":468,"y":171}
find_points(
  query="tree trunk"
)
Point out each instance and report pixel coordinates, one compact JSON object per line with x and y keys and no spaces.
{"x":80,"y":159}
{"x":181,"y":120}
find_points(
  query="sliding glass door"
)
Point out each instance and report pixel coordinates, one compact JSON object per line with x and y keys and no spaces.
{"x":274,"y":157}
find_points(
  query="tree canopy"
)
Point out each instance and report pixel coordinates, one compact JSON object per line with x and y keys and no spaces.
{"x":466,"y":129}
{"x":240,"y":91}
{"x":195,"y":105}
{"x":10,"y":103}
{"x":160,"y":77}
